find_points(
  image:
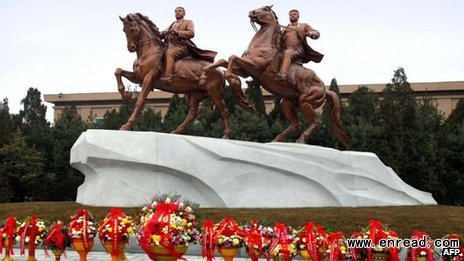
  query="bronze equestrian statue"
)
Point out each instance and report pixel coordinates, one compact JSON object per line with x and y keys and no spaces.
{"x":144,"y":38}
{"x":301,"y":90}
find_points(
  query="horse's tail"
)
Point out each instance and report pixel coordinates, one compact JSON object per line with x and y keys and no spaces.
{"x":239,"y":95}
{"x":334,"y":104}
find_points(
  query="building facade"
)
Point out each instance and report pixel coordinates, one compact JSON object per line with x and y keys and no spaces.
{"x":94,"y":105}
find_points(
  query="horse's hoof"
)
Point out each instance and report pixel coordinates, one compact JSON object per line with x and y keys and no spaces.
{"x":301,"y":140}
{"x":125,"y":128}
{"x":226,"y":137}
{"x":118,"y":72}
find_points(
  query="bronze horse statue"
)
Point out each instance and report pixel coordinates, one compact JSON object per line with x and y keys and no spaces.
{"x":303,"y":91}
{"x":143,"y":37}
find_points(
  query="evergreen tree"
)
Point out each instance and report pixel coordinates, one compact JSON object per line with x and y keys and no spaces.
{"x":5,"y":122}
{"x":35,"y":127}
{"x":397,"y":120}
{"x":150,"y":121}
{"x":67,"y":129}
{"x":361,"y":120}
{"x":21,"y":169}
{"x":176,"y":114}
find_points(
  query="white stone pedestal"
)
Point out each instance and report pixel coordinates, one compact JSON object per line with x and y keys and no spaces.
{"x":126,"y":169}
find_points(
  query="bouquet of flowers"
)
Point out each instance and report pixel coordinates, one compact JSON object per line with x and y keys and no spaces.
{"x":459,"y":239}
{"x":31,"y":231}
{"x":376,"y":231}
{"x":283,"y":243}
{"x":257,"y":239}
{"x":83,"y":228}
{"x":312,"y":241}
{"x":421,"y":253}
{"x":8,"y":235}
{"x":115,"y":228}
{"x":168,"y":222}
{"x":57,"y":239}
{"x":338,"y":247}
{"x":228,"y":234}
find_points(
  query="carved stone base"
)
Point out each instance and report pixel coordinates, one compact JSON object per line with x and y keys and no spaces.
{"x":127,"y":169}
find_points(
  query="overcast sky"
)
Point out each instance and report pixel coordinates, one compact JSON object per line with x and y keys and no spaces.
{"x":74,"y":46}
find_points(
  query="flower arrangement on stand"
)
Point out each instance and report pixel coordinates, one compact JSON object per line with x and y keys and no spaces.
{"x":114,"y":233}
{"x":82,"y":231}
{"x":311,"y":242}
{"x":8,"y":237}
{"x":375,"y":231}
{"x":338,"y":247}
{"x":31,"y":232}
{"x":283,"y":246}
{"x":57,"y":240}
{"x":459,"y":239}
{"x":168,"y":225}
{"x":421,"y":253}
{"x":228,"y":238}
{"x":257,"y":240}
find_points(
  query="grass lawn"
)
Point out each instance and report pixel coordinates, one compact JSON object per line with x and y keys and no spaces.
{"x":436,"y":220}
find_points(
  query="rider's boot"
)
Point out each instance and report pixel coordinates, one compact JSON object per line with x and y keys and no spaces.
{"x":167,"y":79}
{"x":281,"y":76}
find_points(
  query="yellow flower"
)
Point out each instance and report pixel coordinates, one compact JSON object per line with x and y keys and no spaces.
{"x":4,"y":235}
{"x":342,"y":248}
{"x":129,"y":230}
{"x":124,"y":220}
{"x":110,"y":229}
{"x":40,"y":229}
{"x":37,"y":238}
{"x":156,"y":238}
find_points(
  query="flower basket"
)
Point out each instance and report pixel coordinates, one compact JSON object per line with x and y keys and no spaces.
{"x":31,"y":232}
{"x":376,"y":231}
{"x":282,"y":246}
{"x":421,"y":253}
{"x":82,"y":231}
{"x":228,"y":253}
{"x":338,"y":247}
{"x":57,"y":240}
{"x":311,"y":242}
{"x":257,"y":240}
{"x":120,"y":248}
{"x":114,"y":233}
{"x":167,"y":224}
{"x":82,"y":247}
{"x":7,"y":238}
{"x":163,"y":254}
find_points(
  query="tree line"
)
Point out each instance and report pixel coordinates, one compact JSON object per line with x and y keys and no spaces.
{"x":411,"y":136}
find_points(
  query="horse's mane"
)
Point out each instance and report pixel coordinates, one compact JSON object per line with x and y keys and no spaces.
{"x":277,"y":40}
{"x":154,"y":31}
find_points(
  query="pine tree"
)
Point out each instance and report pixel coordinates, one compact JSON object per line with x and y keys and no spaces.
{"x":67,"y":129}
{"x":176,"y":114}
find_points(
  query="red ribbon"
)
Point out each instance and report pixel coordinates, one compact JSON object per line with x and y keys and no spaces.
{"x":30,"y":229}
{"x":415,"y":251}
{"x":208,"y":241}
{"x":84,"y":236}
{"x":159,"y":223}
{"x":227,"y":227}
{"x":282,"y":239}
{"x":56,"y":237}
{"x":310,"y":244}
{"x":113,"y":220}
{"x":334,"y":250}
{"x":9,"y":230}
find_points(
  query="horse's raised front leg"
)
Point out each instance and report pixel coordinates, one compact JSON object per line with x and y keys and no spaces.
{"x":289,"y":111}
{"x":238,"y":63}
{"x":127,"y":96}
{"x":146,"y":87}
{"x":193,"y":101}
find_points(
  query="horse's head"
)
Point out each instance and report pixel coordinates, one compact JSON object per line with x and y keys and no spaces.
{"x":263,"y":15}
{"x":132,"y":30}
